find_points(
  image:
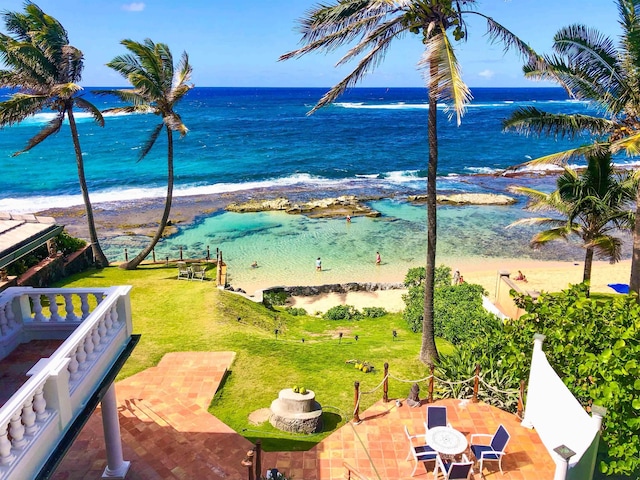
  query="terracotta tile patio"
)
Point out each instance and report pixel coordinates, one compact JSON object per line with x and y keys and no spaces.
{"x":168,"y":434}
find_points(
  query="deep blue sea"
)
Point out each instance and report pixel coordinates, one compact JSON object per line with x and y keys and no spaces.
{"x":256,"y":138}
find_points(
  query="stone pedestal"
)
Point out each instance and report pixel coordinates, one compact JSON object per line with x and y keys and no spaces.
{"x":296,"y":412}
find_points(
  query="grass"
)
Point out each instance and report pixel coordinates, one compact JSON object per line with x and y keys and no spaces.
{"x":176,"y":316}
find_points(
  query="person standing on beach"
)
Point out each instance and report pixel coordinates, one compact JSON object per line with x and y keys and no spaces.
{"x":378,"y":259}
{"x":456,"y":277}
{"x":318,"y":265}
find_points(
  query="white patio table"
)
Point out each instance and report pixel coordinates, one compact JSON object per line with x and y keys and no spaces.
{"x":446,"y":440}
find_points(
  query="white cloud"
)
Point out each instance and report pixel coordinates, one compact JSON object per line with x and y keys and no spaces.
{"x":488,"y":74}
{"x":133,"y":7}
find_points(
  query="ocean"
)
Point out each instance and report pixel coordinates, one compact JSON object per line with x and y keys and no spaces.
{"x":372,"y":140}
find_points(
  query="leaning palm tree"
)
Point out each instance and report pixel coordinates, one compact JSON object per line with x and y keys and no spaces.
{"x":373,"y":25}
{"x":45,"y":70}
{"x":157,"y":87}
{"x":591,"y":66}
{"x":594,"y":205}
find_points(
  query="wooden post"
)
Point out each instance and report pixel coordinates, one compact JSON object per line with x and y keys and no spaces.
{"x":385,"y":386}
{"x":180,"y":253}
{"x":248,"y":462}
{"x":476,"y":382}
{"x":126,"y":255}
{"x":356,"y":405}
{"x":431,"y":378}
{"x":153,"y":251}
{"x":167,"y":261}
{"x":258,"y":458}
{"x":208,"y":254}
{"x":521,"y":399}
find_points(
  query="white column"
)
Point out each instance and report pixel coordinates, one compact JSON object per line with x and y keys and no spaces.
{"x":533,"y":388}
{"x":116,"y":466}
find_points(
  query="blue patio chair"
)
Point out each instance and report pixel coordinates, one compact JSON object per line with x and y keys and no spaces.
{"x":436,"y":417}
{"x":420,"y":453}
{"x":455,"y":470}
{"x":494,"y":451}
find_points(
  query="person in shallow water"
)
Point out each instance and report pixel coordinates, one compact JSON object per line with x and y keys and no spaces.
{"x":378,"y":259}
{"x":318,"y":265}
{"x":254,"y":264}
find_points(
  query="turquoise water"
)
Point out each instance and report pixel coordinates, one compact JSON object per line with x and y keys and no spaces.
{"x":286,"y":246}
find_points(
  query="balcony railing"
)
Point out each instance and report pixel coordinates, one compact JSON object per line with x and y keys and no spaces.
{"x":95,"y":325}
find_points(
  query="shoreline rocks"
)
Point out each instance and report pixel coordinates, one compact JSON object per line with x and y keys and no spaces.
{"x":467,"y":199}
{"x":320,"y":208}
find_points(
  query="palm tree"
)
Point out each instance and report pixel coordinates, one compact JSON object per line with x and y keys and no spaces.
{"x":157,"y":87}
{"x":593,"y":205}
{"x":374,"y":24}
{"x":45,"y":70}
{"x":591,"y":66}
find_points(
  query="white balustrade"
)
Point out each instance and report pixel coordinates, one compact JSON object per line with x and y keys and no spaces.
{"x":48,"y":394}
{"x":5,"y":445}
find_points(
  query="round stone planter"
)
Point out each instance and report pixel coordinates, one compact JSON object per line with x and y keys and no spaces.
{"x":296,"y":412}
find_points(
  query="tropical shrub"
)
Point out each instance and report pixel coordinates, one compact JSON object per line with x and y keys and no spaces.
{"x":342,"y":312}
{"x":458,"y":312}
{"x":374,"y":312}
{"x":274,"y":298}
{"x":295,"y":311}
{"x":68,"y":244}
{"x":594,"y":346}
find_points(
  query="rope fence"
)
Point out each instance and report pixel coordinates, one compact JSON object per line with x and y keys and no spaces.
{"x":476,"y":380}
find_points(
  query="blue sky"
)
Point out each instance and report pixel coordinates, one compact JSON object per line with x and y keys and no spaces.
{"x":237,"y":43}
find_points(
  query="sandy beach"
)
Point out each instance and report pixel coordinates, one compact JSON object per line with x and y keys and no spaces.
{"x":541,"y":276}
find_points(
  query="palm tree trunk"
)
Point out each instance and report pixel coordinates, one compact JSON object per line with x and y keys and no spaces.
{"x":167,"y":209}
{"x":634,"y":281}
{"x":428,"y":350}
{"x":99,"y":257}
{"x":588,"y":263}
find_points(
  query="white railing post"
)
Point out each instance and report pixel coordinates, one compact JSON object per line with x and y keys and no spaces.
{"x":56,"y":391}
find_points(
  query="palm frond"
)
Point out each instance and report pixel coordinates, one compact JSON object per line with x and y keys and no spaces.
{"x":20,"y":106}
{"x":174,"y":123}
{"x":126,"y":95}
{"x":90,"y":108}
{"x":630,"y":145}
{"x":439,"y":51}
{"x":530,"y":120}
{"x":537,"y":221}
{"x":553,"y":234}
{"x":607,"y":246}
{"x":146,"y":148}
{"x":562,"y":158}
{"x":51,"y":128}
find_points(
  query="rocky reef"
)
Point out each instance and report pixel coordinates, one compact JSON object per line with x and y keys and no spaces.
{"x":467,"y":199}
{"x":320,"y":208}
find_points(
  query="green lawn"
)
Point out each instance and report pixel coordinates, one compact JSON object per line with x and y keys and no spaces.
{"x":175,"y":316}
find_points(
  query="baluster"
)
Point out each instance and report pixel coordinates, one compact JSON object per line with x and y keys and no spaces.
{"x":4,"y":322}
{"x":99,"y":297}
{"x":108,"y":322}
{"x":11,"y":318}
{"x":88,"y":347}
{"x":5,"y":446}
{"x":81,"y":356}
{"x":73,"y":367}
{"x":40,"y":404}
{"x":95,"y":337}
{"x":84,"y":304}
{"x":114,"y":315}
{"x":68,"y":307}
{"x":102,"y":328}
{"x":37,"y":309}
{"x":29,"y":417}
{"x":16,"y":430}
{"x":53,"y":308}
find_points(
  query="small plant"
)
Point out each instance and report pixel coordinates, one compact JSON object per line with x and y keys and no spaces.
{"x":296,"y":312}
{"x":342,"y":312}
{"x":275,"y":298}
{"x":374,"y":312}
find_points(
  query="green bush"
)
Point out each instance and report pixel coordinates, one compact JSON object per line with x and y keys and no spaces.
{"x":342,"y":312}
{"x":594,"y":346}
{"x":296,"y":312}
{"x":374,"y":312}
{"x":68,"y":244}
{"x":274,"y":298}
